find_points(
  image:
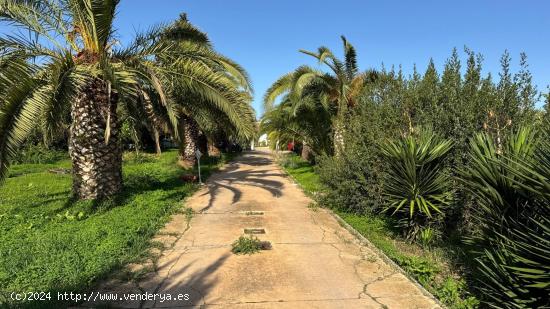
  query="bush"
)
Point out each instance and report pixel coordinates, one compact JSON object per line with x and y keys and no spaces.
{"x":416,"y":188}
{"x":354,"y":177}
{"x":512,"y":240}
{"x":39,"y":154}
{"x":139,"y":157}
{"x":290,"y":161}
{"x":428,"y":236}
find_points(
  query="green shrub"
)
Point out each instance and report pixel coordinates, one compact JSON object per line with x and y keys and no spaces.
{"x":139,"y":157}
{"x":511,"y":186}
{"x":452,"y":291}
{"x":424,"y":271}
{"x":289,"y":161}
{"x":416,"y":187}
{"x":353,"y":179}
{"x":39,"y":154}
{"x":428,"y":236}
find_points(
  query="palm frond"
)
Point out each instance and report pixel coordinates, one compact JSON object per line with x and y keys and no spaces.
{"x":22,"y":99}
{"x":350,"y":56}
{"x":278,"y":88}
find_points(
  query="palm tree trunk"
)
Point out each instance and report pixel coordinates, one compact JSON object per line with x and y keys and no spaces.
{"x":190,"y":138}
{"x":154,"y":121}
{"x":213,"y":150}
{"x":338,"y":139}
{"x":156,"y":136}
{"x":96,"y":159}
{"x":306,"y":151}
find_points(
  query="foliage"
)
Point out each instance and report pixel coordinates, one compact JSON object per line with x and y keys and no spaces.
{"x":139,"y":157}
{"x":354,"y":178}
{"x":428,"y":236}
{"x":302,"y":171}
{"x":501,"y":204}
{"x":450,"y":292}
{"x":310,"y":123}
{"x":510,"y":186}
{"x":205,"y":85}
{"x":49,"y":242}
{"x":246,"y":245}
{"x":332,"y":93}
{"x":39,"y":154}
{"x":416,"y":186}
{"x":154,"y":77}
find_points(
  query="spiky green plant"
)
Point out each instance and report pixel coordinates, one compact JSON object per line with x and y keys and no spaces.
{"x":512,"y":218}
{"x":416,"y":187}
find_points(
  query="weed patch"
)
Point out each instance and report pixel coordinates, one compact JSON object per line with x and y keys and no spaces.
{"x":249,"y":245}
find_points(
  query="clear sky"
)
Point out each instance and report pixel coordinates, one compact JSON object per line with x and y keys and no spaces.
{"x":265,"y":36}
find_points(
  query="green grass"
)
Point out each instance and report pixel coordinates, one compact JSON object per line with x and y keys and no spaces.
{"x":49,"y":242}
{"x":433,"y":267}
{"x":302,"y":171}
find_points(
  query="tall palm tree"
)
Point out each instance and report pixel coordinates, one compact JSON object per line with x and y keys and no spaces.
{"x":68,"y":58}
{"x":226,"y":95}
{"x":338,"y":89}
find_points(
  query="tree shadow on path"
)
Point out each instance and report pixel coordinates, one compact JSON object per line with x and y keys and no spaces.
{"x":237,"y":175}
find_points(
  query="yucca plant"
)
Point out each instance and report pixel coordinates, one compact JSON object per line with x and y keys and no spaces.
{"x":512,"y":218}
{"x":416,"y":188}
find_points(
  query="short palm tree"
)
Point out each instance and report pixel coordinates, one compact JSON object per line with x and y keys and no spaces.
{"x":309,"y":124}
{"x":338,"y":89}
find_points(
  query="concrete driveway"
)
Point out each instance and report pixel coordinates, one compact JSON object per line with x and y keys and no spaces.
{"x":314,"y":262}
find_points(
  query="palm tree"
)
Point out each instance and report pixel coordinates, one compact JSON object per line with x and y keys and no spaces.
{"x":68,"y":58}
{"x":338,"y":89}
{"x":225,"y":95}
{"x":70,"y":61}
{"x":310,"y":124}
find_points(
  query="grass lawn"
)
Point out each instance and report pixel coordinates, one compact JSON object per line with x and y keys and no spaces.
{"x":433,"y":267}
{"x":49,"y":242}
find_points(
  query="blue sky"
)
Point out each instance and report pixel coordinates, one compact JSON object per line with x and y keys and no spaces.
{"x":265,"y":36}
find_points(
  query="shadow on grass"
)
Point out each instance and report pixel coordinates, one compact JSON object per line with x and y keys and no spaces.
{"x":82,"y":247}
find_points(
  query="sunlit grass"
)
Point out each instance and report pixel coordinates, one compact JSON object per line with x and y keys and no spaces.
{"x":49,"y":242}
